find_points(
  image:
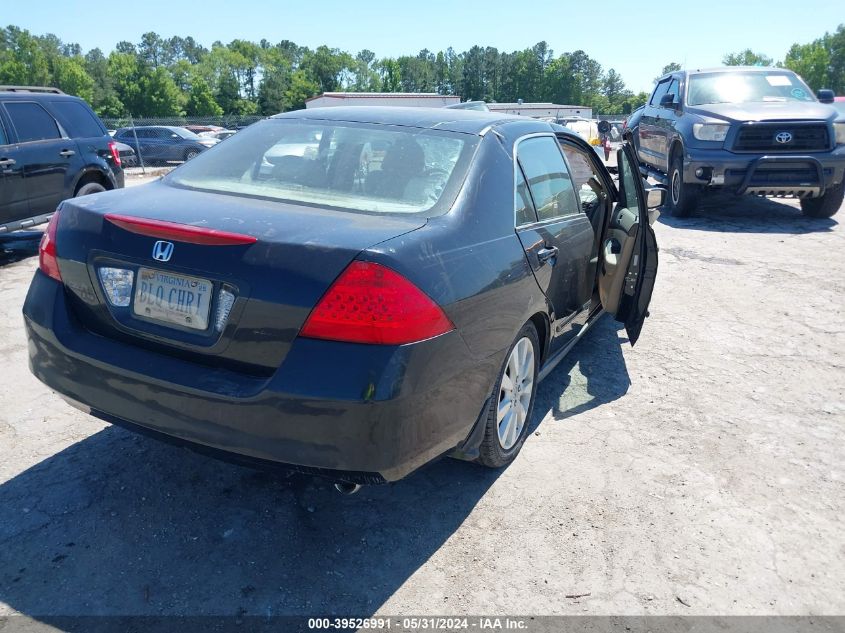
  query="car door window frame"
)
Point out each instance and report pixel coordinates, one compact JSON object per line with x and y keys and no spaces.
{"x":591,"y":155}
{"x":518,"y":167}
{"x":519,"y":174}
{"x":675,"y":82}
{"x":62,"y":133}
{"x":657,"y":94}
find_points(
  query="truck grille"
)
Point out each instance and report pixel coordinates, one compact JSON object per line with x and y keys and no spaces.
{"x":762,"y":137}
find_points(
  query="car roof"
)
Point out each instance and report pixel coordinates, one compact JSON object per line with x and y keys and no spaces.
{"x":449,"y":119}
{"x":723,"y":69}
{"x":34,"y":95}
{"x":736,"y":69}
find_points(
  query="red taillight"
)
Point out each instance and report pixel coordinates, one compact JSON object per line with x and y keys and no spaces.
{"x":179,"y":232}
{"x":114,"y":153}
{"x":47,"y":261}
{"x":370,"y":303}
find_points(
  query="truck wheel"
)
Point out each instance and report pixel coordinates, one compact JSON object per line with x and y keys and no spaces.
{"x":512,"y":401}
{"x":827,"y":205}
{"x":683,"y":197}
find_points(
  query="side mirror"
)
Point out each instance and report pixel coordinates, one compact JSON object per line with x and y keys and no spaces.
{"x":655,"y":196}
{"x":667,"y":101}
{"x":604,"y":127}
{"x":825,"y":96}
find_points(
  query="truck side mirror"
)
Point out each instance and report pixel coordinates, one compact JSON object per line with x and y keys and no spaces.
{"x":825,"y":96}
{"x":667,"y":101}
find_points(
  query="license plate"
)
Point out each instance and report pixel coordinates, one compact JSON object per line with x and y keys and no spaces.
{"x":172,"y":299}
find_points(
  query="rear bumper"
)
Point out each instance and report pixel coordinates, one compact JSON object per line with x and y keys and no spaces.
{"x":349,"y":412}
{"x":802,"y":175}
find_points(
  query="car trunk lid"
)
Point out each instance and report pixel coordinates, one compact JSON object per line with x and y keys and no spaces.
{"x":286,"y":258}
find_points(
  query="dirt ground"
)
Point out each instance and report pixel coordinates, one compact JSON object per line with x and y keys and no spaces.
{"x":700,"y":472}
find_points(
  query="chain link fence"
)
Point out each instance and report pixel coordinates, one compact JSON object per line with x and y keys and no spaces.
{"x":228,"y":121}
{"x":153,"y":142}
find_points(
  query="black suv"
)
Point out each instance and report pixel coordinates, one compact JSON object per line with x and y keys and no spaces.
{"x":52,"y":147}
{"x":750,"y":130}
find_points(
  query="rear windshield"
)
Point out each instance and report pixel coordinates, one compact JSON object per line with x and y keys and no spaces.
{"x":77,"y":119}
{"x":745,"y":87}
{"x":356,"y":167}
{"x":183,"y":133}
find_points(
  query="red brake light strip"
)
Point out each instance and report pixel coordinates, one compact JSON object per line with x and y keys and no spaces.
{"x":179,"y":232}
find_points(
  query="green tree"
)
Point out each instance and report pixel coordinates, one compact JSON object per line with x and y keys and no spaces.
{"x":324,"y":66}
{"x":125,"y":75}
{"x":301,"y":87}
{"x":104,"y":99}
{"x":613,"y":86}
{"x":835,"y":45}
{"x":668,"y":68}
{"x":228,"y":93}
{"x":747,"y":58}
{"x":201,"y":100}
{"x":811,"y":61}
{"x":160,"y":96}
{"x":271,"y":92}
{"x":69,"y":75}
{"x":22,"y":60}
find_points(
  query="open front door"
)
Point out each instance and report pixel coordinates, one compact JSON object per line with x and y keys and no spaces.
{"x":628,"y":254}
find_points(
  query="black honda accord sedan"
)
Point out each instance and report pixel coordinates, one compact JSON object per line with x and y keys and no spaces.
{"x":346,"y":291}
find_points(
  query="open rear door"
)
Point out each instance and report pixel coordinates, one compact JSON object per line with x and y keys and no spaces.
{"x":628,"y":254}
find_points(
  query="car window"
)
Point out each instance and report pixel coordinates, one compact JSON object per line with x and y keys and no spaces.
{"x":548,"y":178}
{"x":77,"y":119}
{"x":523,"y":205}
{"x":675,"y":89}
{"x":32,"y":122}
{"x":585,"y":178}
{"x":372,"y":168}
{"x":661,"y":90}
{"x":627,"y":184}
{"x":4,"y":140}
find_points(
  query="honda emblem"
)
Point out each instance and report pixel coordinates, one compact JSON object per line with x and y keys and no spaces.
{"x":162,"y":251}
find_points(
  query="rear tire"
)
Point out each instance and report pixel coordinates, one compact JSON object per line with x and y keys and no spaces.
{"x":683,"y":197}
{"x":827,"y":205}
{"x":89,"y":188}
{"x":512,"y":401}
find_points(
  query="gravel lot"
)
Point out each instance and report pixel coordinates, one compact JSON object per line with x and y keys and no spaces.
{"x":698,"y":473}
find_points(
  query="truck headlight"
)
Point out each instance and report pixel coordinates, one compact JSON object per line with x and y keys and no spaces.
{"x":710,"y":131}
{"x":839,"y":133}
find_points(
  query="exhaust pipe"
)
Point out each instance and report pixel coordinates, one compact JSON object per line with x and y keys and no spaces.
{"x":346,"y":488}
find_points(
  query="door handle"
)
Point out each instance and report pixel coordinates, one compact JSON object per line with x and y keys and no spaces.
{"x":545,"y":254}
{"x":7,"y":162}
{"x":67,"y":153}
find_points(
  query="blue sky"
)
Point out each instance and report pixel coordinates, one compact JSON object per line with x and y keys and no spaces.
{"x":620,"y":35}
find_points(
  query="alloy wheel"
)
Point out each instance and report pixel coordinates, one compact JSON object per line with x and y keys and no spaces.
{"x":515,"y":393}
